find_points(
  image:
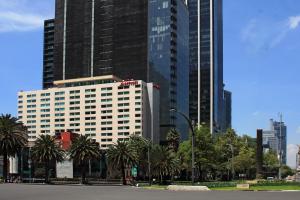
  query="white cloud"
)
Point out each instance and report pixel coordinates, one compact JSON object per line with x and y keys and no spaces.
{"x":292,"y":151}
{"x":256,"y":113}
{"x":263,"y":34}
{"x":298,"y":130}
{"x":294,"y":22}
{"x":10,"y":21}
{"x":24,"y":15}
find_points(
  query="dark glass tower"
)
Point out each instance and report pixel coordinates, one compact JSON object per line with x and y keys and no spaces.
{"x":134,"y":39}
{"x":48,"y":53}
{"x":227,"y":110}
{"x":206,"y":63}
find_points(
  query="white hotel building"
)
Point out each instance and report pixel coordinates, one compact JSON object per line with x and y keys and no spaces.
{"x":105,"y":108}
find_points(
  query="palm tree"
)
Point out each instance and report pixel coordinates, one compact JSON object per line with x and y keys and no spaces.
{"x":142,"y":146}
{"x":13,"y":137}
{"x":173,"y":139}
{"x":46,"y":150}
{"x":82,"y":150}
{"x":122,"y":155}
{"x":164,"y":162}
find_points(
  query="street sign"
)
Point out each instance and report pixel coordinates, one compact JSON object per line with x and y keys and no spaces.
{"x":134,"y":171}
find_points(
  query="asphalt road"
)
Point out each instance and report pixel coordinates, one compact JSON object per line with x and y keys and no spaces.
{"x":44,"y":192}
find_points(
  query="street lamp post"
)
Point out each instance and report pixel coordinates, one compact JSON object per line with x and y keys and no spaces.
{"x":193,"y":141}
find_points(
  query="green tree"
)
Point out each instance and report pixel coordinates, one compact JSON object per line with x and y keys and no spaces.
{"x":226,"y":148}
{"x":173,"y":140}
{"x":122,"y":155}
{"x":141,"y":146}
{"x":287,"y":171}
{"x":164,"y":162}
{"x":13,"y":137}
{"x":184,"y":155}
{"x":45,"y":151}
{"x":204,"y":153}
{"x":84,"y":149}
{"x":245,"y":161}
{"x":270,"y":163}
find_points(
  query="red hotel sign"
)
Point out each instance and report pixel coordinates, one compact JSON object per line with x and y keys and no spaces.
{"x":124,"y":83}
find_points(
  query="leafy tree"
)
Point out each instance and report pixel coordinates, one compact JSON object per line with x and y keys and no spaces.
{"x":287,"y":171}
{"x":270,"y":163}
{"x":13,"y":137}
{"x":46,"y":150}
{"x":82,"y":150}
{"x":245,"y":161}
{"x":184,"y":155}
{"x":226,"y":148}
{"x":173,"y":140}
{"x":204,"y":153}
{"x":121,"y":156}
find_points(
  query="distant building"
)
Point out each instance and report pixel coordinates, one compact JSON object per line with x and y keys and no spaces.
{"x":270,"y":141}
{"x":105,"y":108}
{"x":276,"y":139}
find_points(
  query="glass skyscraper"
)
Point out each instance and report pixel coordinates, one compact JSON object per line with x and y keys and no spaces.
{"x":206,"y":63}
{"x":48,"y":53}
{"x":136,"y":39}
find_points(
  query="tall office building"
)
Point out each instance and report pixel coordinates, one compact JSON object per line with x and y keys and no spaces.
{"x":227,"y":118}
{"x":48,"y":53}
{"x":206,"y":63}
{"x":135,"y":39}
{"x":276,"y":139}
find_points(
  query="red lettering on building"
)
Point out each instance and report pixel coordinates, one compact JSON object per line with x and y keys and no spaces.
{"x":125,"y":83}
{"x":156,"y":86}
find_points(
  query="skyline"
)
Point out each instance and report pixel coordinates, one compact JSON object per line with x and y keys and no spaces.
{"x":257,"y":46}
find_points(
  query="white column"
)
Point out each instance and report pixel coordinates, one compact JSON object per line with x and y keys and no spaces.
{"x":13,"y":165}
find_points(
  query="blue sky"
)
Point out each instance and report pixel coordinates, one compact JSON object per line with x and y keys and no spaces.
{"x":261,"y":59}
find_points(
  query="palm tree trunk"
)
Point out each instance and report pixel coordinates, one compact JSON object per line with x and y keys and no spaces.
{"x":46,"y":172}
{"x":123,"y":174}
{"x":83,"y":172}
{"x":5,"y":166}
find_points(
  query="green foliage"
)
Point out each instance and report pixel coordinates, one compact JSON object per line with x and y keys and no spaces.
{"x":173,"y":140}
{"x":244,"y":162}
{"x":270,"y":163}
{"x":122,"y":155}
{"x":82,"y":150}
{"x":219,"y":157}
{"x":46,"y":151}
{"x":164,"y":162}
{"x":286,"y":171}
{"x":13,"y":137}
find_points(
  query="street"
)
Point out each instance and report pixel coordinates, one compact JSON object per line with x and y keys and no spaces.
{"x":45,"y":192}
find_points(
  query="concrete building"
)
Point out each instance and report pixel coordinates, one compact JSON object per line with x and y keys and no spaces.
{"x":137,"y":39}
{"x":206,"y":63}
{"x":276,"y":139}
{"x":105,"y":108}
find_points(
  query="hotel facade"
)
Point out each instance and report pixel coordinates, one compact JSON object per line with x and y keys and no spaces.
{"x":105,"y":108}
